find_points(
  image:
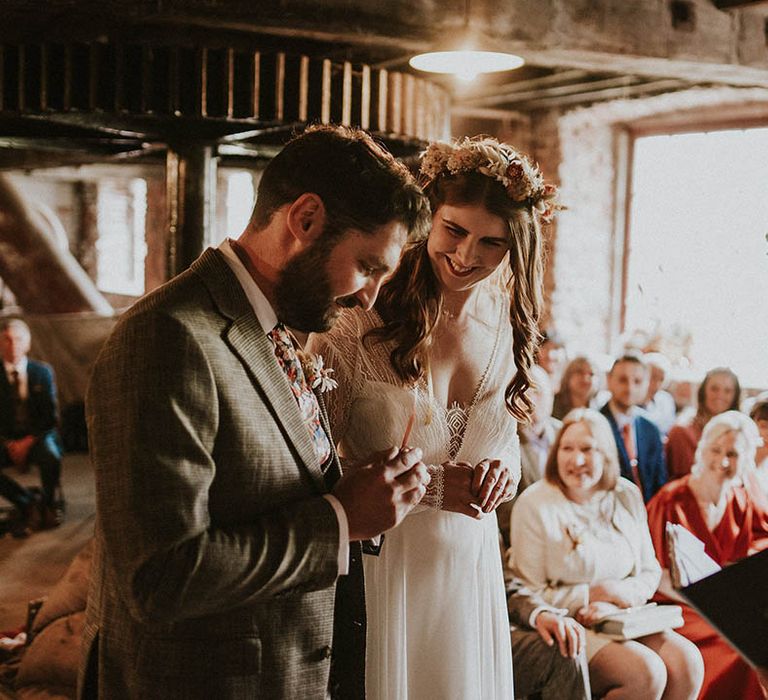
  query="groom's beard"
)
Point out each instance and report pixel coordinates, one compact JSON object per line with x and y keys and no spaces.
{"x":303,"y":295}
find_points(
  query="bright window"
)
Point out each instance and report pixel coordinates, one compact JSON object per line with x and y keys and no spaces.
{"x":698,"y":253}
{"x":240,"y":197}
{"x":121,"y":245}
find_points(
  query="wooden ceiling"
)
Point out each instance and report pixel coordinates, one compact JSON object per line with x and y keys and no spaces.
{"x":578,"y":52}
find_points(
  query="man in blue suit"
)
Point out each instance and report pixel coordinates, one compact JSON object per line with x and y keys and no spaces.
{"x":641,"y":455}
{"x":28,"y":433}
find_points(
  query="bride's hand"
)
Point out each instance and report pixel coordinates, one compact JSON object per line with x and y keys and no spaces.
{"x":492,"y":484}
{"x":457,"y":495}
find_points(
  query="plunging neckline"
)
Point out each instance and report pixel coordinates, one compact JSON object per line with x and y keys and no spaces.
{"x":456,"y":416}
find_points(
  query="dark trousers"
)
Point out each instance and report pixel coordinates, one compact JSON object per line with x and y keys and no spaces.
{"x":541,"y":671}
{"x":46,"y":454}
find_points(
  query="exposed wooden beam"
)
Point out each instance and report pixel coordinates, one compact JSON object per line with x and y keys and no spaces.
{"x":611,"y":94}
{"x":461,"y":110}
{"x":643,"y":66}
{"x":562,"y":76}
{"x":600,"y":59}
{"x":622,"y":81}
{"x":254,"y":150}
{"x":95,"y":145}
{"x":736,"y":4}
{"x":93,"y":172}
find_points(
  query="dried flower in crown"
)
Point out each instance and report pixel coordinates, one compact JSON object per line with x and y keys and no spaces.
{"x":521,"y":178}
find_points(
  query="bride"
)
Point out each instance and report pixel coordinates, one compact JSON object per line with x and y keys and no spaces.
{"x":451,"y":341}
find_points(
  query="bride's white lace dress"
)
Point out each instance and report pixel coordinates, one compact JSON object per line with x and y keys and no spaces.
{"x":437,"y":614}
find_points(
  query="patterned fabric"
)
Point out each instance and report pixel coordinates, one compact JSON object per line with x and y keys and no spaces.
{"x":457,"y":418}
{"x":233,"y":486}
{"x":285,"y":352}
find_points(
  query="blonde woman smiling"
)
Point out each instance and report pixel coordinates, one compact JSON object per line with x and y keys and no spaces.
{"x":585,"y":547}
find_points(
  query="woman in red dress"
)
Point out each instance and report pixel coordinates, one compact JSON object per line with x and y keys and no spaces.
{"x":720,"y":391}
{"x":720,"y":503}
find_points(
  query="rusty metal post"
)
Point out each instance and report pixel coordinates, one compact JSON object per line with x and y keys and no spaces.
{"x":191,"y":200}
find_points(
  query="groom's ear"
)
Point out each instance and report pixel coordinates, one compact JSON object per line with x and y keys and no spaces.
{"x":306,"y":217}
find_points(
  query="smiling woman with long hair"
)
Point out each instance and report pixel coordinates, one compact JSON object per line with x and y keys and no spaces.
{"x":448,"y":349}
{"x":577,"y":387}
{"x":586,"y":548}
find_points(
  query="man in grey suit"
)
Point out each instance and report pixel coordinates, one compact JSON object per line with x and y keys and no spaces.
{"x":223,"y":520}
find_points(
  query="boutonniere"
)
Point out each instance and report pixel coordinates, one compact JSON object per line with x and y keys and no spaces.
{"x":318,"y":376}
{"x":576,"y":535}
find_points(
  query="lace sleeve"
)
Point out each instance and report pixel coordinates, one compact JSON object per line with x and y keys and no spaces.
{"x":340,"y":350}
{"x":433,"y":498}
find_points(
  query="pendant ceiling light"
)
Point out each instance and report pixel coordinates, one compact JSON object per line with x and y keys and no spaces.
{"x":466,"y":57}
{"x":465,"y":64}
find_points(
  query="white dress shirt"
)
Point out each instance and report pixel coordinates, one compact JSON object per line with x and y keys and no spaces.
{"x":623,"y":419}
{"x":21,"y":370}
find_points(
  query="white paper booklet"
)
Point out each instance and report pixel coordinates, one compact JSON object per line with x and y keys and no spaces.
{"x":688,"y":560}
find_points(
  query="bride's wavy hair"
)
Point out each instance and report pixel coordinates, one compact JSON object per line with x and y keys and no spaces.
{"x":410,"y":303}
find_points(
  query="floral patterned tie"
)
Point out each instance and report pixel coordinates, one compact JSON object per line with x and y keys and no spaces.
{"x":285,"y":352}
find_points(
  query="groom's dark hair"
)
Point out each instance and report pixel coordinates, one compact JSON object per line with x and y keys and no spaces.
{"x":361,"y":184}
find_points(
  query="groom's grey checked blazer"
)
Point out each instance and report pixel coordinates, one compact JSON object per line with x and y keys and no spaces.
{"x":216,"y":555}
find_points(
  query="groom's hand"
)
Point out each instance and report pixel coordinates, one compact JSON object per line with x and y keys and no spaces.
{"x":378,"y":495}
{"x":458,"y":496}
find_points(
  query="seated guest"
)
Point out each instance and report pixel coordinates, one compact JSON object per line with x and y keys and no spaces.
{"x":536,"y":438}
{"x":713,"y":503}
{"x":682,"y":391}
{"x":577,"y":387}
{"x":759,"y":414}
{"x":638,"y":440}
{"x":548,"y":648}
{"x":720,"y":391}
{"x":28,"y":433}
{"x":585,"y":547}
{"x":551,"y":355}
{"x":659,"y":404}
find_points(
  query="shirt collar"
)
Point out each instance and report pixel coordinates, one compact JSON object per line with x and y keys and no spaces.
{"x":21,"y":367}
{"x":623,"y":419}
{"x":261,"y":306}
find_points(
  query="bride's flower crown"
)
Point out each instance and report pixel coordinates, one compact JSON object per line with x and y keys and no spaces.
{"x":521,"y":178}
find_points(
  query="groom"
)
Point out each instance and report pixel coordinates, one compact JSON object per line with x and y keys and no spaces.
{"x":223,"y":520}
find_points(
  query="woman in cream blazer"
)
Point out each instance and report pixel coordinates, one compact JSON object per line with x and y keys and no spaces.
{"x":580,"y":539}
